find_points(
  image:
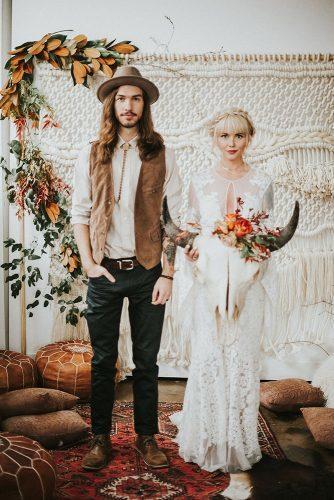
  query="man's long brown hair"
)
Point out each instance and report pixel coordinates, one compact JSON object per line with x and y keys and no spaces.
{"x":150,"y":143}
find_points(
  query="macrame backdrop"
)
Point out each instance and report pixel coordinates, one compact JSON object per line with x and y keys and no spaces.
{"x":290,"y":99}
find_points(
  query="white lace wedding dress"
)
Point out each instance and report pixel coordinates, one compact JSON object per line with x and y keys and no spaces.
{"x":217,"y":428}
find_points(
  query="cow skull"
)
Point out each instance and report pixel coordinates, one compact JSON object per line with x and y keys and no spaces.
{"x":225,"y":273}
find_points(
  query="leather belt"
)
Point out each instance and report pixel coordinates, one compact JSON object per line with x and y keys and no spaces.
{"x":122,"y":264}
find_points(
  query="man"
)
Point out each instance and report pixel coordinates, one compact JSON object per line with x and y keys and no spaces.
{"x":120,"y":181}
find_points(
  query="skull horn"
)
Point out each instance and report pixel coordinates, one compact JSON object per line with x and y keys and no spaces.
{"x":288,"y":231}
{"x":181,"y":238}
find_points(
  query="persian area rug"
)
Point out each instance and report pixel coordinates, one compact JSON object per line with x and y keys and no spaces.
{"x":128,"y":478}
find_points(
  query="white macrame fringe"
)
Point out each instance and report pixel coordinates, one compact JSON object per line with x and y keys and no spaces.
{"x":306,"y":281}
{"x":304,"y":268}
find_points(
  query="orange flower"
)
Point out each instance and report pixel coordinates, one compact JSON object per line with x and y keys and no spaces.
{"x":231,"y":220}
{"x":242,"y":227}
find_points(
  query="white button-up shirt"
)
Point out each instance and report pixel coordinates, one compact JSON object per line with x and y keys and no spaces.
{"x":120,"y":240}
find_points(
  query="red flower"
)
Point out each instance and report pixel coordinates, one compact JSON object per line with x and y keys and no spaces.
{"x":242,"y":227}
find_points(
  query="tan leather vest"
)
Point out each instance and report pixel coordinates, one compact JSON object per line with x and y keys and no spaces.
{"x":148,"y":201}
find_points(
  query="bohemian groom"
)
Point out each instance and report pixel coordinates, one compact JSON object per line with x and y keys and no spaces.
{"x":120,"y":180}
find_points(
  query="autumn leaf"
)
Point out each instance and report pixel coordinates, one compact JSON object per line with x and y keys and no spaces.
{"x":53,"y":211}
{"x":36,"y":48}
{"x":107,"y":71}
{"x":15,"y":60}
{"x":53,"y":44}
{"x":81,"y":40}
{"x":124,"y":48}
{"x":62,"y":51}
{"x":18,"y":74}
{"x":79,"y":72}
{"x":92,"y":52}
{"x":17,"y":51}
{"x":109,"y":60}
{"x":95,"y":64}
{"x":28,"y":69}
{"x":45,"y":55}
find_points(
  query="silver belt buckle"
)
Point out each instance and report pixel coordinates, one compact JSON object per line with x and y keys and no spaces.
{"x":126,"y":260}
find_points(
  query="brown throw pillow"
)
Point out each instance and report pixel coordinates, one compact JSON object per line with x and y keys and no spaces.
{"x":320,"y":421}
{"x":34,"y":401}
{"x":289,"y":394}
{"x":51,"y":429}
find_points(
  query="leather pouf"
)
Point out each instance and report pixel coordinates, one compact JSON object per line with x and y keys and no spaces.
{"x":27,"y":470}
{"x":17,"y":371}
{"x":66,"y":366}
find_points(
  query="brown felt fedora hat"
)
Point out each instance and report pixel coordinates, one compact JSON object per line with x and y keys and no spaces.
{"x":128,"y":75}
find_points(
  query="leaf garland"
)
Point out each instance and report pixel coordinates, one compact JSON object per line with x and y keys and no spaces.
{"x":82,"y":56}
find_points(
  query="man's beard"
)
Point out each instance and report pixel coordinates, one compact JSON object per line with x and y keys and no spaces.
{"x":131,"y":124}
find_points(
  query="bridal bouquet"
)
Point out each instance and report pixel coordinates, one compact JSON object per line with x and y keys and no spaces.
{"x":249,"y":234}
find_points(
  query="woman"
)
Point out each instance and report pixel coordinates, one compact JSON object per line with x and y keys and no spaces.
{"x":217,"y":428}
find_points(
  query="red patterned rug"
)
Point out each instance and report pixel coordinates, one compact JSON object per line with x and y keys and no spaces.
{"x":128,"y":478}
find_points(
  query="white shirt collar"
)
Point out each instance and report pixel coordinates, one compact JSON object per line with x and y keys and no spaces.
{"x":132,"y":143}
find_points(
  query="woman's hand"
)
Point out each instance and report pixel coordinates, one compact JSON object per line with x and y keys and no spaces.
{"x":191,"y":253}
{"x":95,"y":271}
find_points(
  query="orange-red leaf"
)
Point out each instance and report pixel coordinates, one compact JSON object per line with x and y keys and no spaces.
{"x":79,"y":69}
{"x":6,"y":108}
{"x":124,"y":48}
{"x":107,"y":71}
{"x":62,"y":51}
{"x":95,"y":65}
{"x":109,"y":60}
{"x":4,"y":100}
{"x":18,"y":74}
{"x":45,"y":55}
{"x":8,"y":90}
{"x":45,"y":38}
{"x":17,"y":59}
{"x":36,"y":48}
{"x":81,"y":40}
{"x":28,"y":68}
{"x":17,"y":51}
{"x":53,"y":44}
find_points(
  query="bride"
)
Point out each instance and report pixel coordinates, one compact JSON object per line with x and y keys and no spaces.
{"x":217,"y":428}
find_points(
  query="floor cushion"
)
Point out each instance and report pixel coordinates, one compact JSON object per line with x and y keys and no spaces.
{"x":66,"y":366}
{"x":289,"y":395}
{"x":51,"y":429}
{"x":16,"y":371}
{"x":35,"y":400}
{"x":320,"y":422}
{"x":27,"y":470}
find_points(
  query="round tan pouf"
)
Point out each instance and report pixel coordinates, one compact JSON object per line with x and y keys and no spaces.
{"x":66,"y":366}
{"x":17,"y":371}
{"x":27,"y":470}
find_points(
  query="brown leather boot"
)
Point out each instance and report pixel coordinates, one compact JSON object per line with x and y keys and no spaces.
{"x":99,"y":453}
{"x":148,"y":448}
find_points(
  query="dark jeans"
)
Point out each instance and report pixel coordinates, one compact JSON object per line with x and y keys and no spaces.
{"x":104,"y":307}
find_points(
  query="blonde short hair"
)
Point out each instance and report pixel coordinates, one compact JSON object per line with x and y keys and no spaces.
{"x":234,"y":120}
